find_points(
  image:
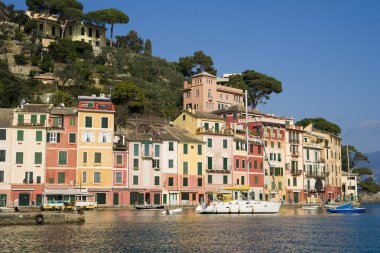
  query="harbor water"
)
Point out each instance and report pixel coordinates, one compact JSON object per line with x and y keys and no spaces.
{"x":292,"y":230}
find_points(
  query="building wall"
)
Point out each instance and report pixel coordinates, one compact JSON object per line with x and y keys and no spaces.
{"x":6,"y":167}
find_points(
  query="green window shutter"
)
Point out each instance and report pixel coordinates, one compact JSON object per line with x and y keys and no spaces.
{"x":171,"y":164}
{"x":156,"y":199}
{"x":171,"y":146}
{"x":209,"y":163}
{"x":255,"y":164}
{"x":224,"y":143}
{"x":119,"y":159}
{"x":88,"y":121}
{"x":42,"y":119}
{"x":272,"y":144}
{"x":237,"y":163}
{"x":237,"y":145}
{"x":200,"y":182}
{"x":98,"y":157}
{"x":243,"y":164}
{"x":135,"y":180}
{"x":185,"y":168}
{"x":279,"y":144}
{"x":156,"y":180}
{"x":199,"y":149}
{"x":38,"y":135}
{"x":209,"y":142}
{"x":20,"y":135}
{"x":225,"y":180}
{"x":259,"y":149}
{"x":251,"y":148}
{"x":135,"y":163}
{"x":279,"y":157}
{"x":72,"y":121}
{"x":156,"y":150}
{"x":171,"y":181}
{"x":185,"y":148}
{"x":72,"y":138}
{"x":33,"y":119}
{"x":209,"y":179}
{"x":55,"y":122}
{"x":146,"y":150}
{"x":38,"y":179}
{"x":256,"y":179}
{"x":19,"y":157}
{"x":261,"y":166}
{"x":135,"y":149}
{"x":199,"y":168}
{"x":206,"y":126}
{"x":62,"y":157}
{"x":61,"y":177}
{"x":84,"y":157}
{"x":225,"y":165}
{"x":20,"y":118}
{"x":58,"y":137}
{"x":280,"y":185}
{"x":104,"y":122}
{"x":217,"y":127}
{"x":294,"y":181}
{"x":185,"y":181}
{"x":38,"y":158}
{"x":165,"y":199}
{"x":307,"y":154}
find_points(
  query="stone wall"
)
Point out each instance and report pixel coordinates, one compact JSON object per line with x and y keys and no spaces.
{"x":369,"y":197}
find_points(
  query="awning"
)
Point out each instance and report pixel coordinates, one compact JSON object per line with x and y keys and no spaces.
{"x":23,"y":189}
{"x":64,"y":192}
{"x":175,"y":192}
{"x":237,"y":188}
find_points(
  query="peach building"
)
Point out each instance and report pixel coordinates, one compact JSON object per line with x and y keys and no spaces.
{"x":204,"y":94}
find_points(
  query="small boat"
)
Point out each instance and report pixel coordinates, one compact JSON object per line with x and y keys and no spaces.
{"x":173,"y":211}
{"x":348,"y":208}
{"x":149,"y":207}
{"x":310,"y":207}
{"x":239,"y":207}
{"x":6,"y":209}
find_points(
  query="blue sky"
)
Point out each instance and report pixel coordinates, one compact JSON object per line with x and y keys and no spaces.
{"x":326,"y":53}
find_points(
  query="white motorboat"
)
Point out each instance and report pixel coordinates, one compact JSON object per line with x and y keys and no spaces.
{"x":173,"y":211}
{"x":239,"y":207}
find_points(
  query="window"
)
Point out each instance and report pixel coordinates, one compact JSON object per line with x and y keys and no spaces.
{"x":146,"y":150}
{"x":272,"y":144}
{"x":209,"y":142}
{"x":171,"y":181}
{"x":225,"y":179}
{"x":97,"y":177}
{"x":256,"y":180}
{"x":54,"y":137}
{"x":184,"y":117}
{"x":98,"y":157}
{"x":72,"y":137}
{"x":82,"y":31}
{"x":104,"y":122}
{"x":243,"y":164}
{"x":84,"y":157}
{"x":61,"y":177}
{"x":156,"y":150}
{"x":20,"y":135}
{"x":185,"y":148}
{"x":209,"y":179}
{"x":156,"y":163}
{"x":136,"y":164}
{"x":3,"y":134}
{"x":88,"y":121}
{"x":53,"y":30}
{"x":2,"y":155}
{"x":1,"y":176}
{"x":199,"y":168}
{"x":225,"y":163}
{"x":185,"y":168}
{"x":237,"y":161}
{"x":279,"y":157}
{"x":88,"y":137}
{"x":135,"y":180}
{"x":38,"y":135}
{"x":209,"y":163}
{"x":72,"y":121}
{"x":200,"y":181}
{"x":38,"y":158}
{"x":19,"y":157}
{"x":42,"y":119}
{"x":156,"y":180}
{"x":170,"y":163}
{"x":171,"y":146}
{"x":62,"y":157}
{"x":280,"y":185}
{"x":20,"y":118}
{"x":206,"y":126}
{"x":135,"y":149}
{"x":89,"y":32}
{"x":104,"y":137}
{"x":119,"y":159}
{"x":294,"y":181}
{"x":185,"y":181}
{"x":255,"y":164}
{"x":119,"y":177}
{"x":28,"y":177}
{"x":199,"y":149}
{"x":224,"y":143}
{"x":97,"y":33}
{"x":216,"y":127}
{"x":84,"y":177}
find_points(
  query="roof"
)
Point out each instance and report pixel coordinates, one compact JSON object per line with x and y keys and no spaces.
{"x":207,"y":115}
{"x":45,"y":108}
{"x":164,"y":134}
{"x":6,"y":117}
{"x":142,"y":137}
{"x":183,"y":135}
{"x":45,"y":77}
{"x":348,"y":174}
{"x":94,"y":98}
{"x":235,"y":108}
{"x":204,"y":74}
{"x":64,"y":111}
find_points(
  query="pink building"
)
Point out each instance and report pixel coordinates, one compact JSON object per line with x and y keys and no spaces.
{"x":120,"y":171}
{"x":204,"y":94}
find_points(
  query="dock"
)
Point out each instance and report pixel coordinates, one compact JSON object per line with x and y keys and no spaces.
{"x":40,"y":218}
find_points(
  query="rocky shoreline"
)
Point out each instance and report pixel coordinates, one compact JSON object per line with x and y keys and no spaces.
{"x":367,"y":197}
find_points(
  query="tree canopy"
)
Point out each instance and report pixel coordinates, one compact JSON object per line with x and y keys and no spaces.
{"x":260,"y":87}
{"x":195,"y":64}
{"x":65,"y":49}
{"x":321,"y":124}
{"x":131,"y":41}
{"x":128,"y":94}
{"x":148,"y":48}
{"x":107,"y":16}
{"x":237,"y":81}
{"x":355,"y":156}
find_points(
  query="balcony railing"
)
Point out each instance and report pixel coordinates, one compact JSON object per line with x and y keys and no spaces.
{"x":295,"y":154}
{"x":148,"y":155}
{"x":221,"y":171}
{"x":316,"y":174}
{"x":312,"y":145}
{"x":214,"y":131}
{"x":29,"y":124}
{"x":294,"y":141}
{"x":296,"y":172}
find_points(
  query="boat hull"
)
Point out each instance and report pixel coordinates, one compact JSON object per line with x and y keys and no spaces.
{"x":150,"y":207}
{"x":240,"y":207}
{"x":351,"y":210}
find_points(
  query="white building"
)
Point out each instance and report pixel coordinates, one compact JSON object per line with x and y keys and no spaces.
{"x":349,"y":186}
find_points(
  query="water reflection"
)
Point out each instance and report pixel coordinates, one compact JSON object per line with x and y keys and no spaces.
{"x":292,"y":230}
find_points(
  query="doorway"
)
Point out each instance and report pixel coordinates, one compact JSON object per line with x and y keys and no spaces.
{"x":24,"y":199}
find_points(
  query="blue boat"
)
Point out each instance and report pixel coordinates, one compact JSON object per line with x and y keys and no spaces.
{"x":348,"y":208}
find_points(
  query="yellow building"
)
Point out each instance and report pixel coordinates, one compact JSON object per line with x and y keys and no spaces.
{"x":95,"y":135}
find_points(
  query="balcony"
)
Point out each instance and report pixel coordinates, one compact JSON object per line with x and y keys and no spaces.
{"x":294,"y":141}
{"x":148,"y":155}
{"x":296,"y":172}
{"x":220,"y":171}
{"x":209,"y":98}
{"x":201,"y":130}
{"x":295,"y":154}
{"x":312,"y":145}
{"x":29,"y":124}
{"x":316,"y":174}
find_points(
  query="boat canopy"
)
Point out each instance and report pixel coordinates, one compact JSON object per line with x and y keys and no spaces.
{"x":65,"y":192}
{"x":237,"y":188}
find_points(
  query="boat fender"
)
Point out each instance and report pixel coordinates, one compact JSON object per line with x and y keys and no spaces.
{"x":40,"y":219}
